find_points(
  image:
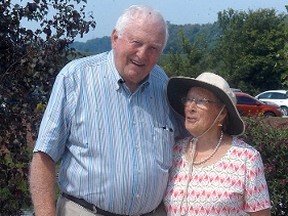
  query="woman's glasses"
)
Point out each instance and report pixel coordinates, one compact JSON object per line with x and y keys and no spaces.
{"x":200,"y":102}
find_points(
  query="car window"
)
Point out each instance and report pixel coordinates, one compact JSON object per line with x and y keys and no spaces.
{"x":265,"y":96}
{"x":277,"y":95}
{"x":245,"y":100}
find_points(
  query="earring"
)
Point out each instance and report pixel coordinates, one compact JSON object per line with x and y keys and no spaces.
{"x":219,"y":125}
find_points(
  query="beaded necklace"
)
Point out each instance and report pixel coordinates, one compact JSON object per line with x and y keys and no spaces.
{"x":210,"y":156}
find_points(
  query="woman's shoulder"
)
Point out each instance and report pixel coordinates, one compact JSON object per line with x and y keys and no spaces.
{"x":241,"y":148}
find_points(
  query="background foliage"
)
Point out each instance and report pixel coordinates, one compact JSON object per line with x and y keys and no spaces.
{"x":248,"y":48}
{"x":29,"y":61}
{"x":271,"y":140}
{"x":250,"y":51}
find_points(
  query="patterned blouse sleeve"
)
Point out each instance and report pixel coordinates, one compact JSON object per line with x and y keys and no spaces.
{"x":256,"y":189}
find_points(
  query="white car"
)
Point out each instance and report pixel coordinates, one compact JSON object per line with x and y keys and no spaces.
{"x":279,"y":97}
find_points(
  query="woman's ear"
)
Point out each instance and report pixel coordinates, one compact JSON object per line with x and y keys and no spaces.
{"x":223,"y":116}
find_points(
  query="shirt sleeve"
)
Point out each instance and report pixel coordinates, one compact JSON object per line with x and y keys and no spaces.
{"x":256,"y":192}
{"x":54,"y":128}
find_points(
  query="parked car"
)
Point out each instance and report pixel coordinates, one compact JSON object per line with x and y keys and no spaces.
{"x":247,"y":105}
{"x":279,"y":97}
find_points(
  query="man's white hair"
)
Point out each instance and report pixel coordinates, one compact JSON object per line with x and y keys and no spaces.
{"x":136,"y":11}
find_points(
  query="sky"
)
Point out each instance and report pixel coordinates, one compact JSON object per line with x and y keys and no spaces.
{"x":177,"y":12}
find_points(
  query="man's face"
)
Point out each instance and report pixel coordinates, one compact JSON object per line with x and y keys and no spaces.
{"x":137,"y":50}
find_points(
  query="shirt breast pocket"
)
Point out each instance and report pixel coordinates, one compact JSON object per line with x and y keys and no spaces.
{"x":164,"y":140}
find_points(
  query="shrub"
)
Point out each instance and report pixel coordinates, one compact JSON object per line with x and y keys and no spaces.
{"x":270,"y":138}
{"x":29,"y":62}
{"x":14,"y":189}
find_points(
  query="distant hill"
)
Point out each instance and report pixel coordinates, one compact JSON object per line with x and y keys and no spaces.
{"x":209,"y":33}
{"x":94,"y":46}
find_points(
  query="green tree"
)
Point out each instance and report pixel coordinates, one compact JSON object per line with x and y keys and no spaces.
{"x":285,"y":53}
{"x":189,"y":60}
{"x":29,"y":61}
{"x":250,"y":52}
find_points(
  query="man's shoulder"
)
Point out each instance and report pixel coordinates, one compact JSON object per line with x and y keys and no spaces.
{"x":90,"y":60}
{"x":158,"y":74}
{"x":84,"y":63}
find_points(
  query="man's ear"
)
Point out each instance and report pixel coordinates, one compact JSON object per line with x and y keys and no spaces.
{"x":114,"y":38}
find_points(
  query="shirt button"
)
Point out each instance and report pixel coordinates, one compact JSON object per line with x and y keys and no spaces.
{"x":138,"y":196}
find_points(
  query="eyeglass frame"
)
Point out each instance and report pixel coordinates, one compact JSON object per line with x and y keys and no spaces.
{"x":200,"y":102}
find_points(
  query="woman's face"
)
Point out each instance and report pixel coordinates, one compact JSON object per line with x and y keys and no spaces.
{"x":138,"y":49}
{"x":201,"y":109}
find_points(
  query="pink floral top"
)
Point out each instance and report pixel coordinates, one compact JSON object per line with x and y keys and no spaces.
{"x":232,"y":186}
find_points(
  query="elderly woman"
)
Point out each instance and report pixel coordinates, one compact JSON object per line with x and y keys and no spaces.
{"x":213,"y":171}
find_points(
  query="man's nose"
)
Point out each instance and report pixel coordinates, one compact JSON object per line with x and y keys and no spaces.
{"x":142,"y":52}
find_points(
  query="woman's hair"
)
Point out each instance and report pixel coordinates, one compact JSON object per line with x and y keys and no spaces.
{"x":136,"y":11}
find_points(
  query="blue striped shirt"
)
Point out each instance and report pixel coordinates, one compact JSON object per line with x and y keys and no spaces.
{"x":115,"y":146}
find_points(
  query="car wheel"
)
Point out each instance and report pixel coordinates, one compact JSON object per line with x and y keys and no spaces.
{"x":284,"y":110}
{"x":269,"y":114}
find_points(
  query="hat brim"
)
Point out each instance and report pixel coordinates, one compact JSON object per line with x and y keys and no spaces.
{"x":178,"y":88}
